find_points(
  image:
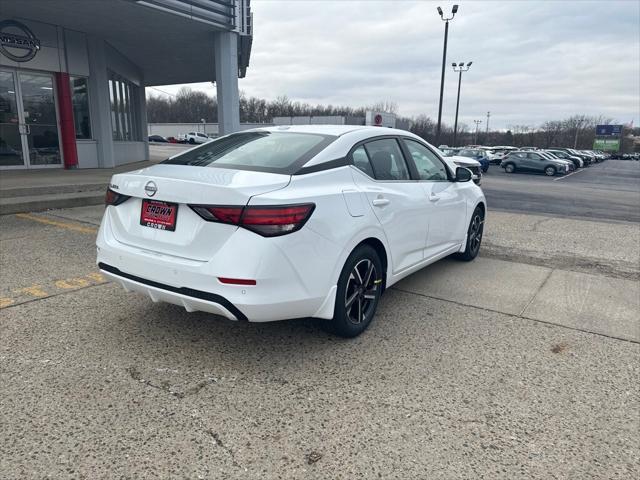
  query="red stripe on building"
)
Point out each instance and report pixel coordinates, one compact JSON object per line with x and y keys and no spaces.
{"x":67,"y":127}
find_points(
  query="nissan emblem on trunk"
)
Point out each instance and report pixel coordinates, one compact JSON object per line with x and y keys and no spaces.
{"x":150,"y":189}
{"x":17,"y":42}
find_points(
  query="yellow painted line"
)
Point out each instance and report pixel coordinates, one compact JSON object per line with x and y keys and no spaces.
{"x":5,"y":302}
{"x":38,"y":292}
{"x":47,"y":221}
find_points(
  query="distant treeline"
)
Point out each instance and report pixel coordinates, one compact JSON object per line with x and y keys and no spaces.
{"x":191,"y":106}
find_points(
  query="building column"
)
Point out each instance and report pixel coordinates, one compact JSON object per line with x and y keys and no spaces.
{"x":226,"y":62}
{"x":100,"y":102}
{"x":67,"y":127}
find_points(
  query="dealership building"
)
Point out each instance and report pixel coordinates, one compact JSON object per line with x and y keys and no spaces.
{"x":73,"y":73}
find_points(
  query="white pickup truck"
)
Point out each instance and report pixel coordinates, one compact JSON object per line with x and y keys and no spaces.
{"x":193,"y":138}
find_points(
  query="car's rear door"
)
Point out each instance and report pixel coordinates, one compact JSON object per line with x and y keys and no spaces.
{"x":446,"y":209}
{"x":398,"y":201}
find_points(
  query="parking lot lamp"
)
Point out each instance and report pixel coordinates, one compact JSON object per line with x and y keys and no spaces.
{"x":460,"y":67}
{"x":477,"y":122}
{"x":454,"y":10}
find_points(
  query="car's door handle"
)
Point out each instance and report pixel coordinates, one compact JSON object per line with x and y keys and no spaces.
{"x":433,"y":197}
{"x":380,"y":202}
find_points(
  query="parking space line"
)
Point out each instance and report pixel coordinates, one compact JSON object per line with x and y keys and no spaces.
{"x":18,"y":296}
{"x":47,"y":221}
{"x":568,"y":175}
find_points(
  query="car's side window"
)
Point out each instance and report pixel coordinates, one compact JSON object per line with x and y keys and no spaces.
{"x":361,"y":161}
{"x":427,"y":163}
{"x":387,"y":160}
{"x":534,"y":156}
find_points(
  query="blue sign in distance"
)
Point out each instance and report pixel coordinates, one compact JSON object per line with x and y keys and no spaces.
{"x":609,"y":130}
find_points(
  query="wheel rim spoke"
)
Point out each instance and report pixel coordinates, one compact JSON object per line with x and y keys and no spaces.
{"x":351,"y":299}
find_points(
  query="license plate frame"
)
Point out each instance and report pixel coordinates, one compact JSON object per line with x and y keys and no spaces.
{"x":159,"y":221}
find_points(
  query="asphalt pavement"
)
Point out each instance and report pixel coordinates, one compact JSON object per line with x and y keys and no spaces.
{"x":605,"y":191}
{"x":521,"y":364}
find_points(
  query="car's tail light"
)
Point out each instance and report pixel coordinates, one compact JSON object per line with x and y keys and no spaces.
{"x":268,"y":221}
{"x":114,"y":198}
{"x":219,"y":214}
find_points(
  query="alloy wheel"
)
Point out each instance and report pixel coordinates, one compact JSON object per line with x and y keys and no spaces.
{"x":475,"y":233}
{"x":361,"y":291}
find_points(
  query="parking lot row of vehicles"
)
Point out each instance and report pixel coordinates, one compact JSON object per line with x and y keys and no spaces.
{"x":553,"y":161}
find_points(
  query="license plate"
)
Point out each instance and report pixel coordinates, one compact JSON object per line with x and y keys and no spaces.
{"x":160,"y":215}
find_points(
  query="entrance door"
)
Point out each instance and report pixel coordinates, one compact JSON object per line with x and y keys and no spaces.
{"x":28,"y":121}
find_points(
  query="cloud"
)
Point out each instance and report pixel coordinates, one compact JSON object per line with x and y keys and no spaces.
{"x":532,"y":61}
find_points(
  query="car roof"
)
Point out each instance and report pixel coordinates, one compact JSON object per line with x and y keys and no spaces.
{"x":335,"y":130}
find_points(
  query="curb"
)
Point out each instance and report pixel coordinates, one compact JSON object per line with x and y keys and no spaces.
{"x":48,"y":202}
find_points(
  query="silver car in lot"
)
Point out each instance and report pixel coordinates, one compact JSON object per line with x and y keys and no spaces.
{"x":533,"y":161}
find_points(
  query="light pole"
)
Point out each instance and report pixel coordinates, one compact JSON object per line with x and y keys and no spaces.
{"x":444,"y":62}
{"x":477,"y":122}
{"x":458,"y":68}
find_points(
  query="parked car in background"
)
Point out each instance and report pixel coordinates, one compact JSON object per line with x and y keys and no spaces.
{"x":477,"y":154}
{"x":561,"y":154}
{"x":193,"y":138}
{"x":496,"y":154}
{"x":449,"y":151}
{"x":591,"y":155}
{"x":455,"y":161}
{"x":586,"y":159}
{"x":550,"y":156}
{"x":157,"y":138}
{"x":533,"y":161}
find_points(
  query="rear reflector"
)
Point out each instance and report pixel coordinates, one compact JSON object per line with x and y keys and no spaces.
{"x":236,"y":281}
{"x":268,"y":221}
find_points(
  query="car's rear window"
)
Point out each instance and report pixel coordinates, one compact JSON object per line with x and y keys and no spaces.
{"x":275,"y":152}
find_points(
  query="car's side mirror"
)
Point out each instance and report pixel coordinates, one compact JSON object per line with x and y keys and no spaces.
{"x":463,"y":174}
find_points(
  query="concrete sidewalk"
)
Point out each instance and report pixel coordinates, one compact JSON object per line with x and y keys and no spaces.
{"x":45,"y":189}
{"x":580,"y":301}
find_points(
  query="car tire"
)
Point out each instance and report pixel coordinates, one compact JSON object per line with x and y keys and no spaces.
{"x":550,"y":171}
{"x":192,"y":141}
{"x":354,"y":311}
{"x":509,"y":168}
{"x":474,"y":236}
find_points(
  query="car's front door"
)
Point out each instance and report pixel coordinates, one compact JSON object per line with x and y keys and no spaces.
{"x":398,"y":202}
{"x":536,"y":162}
{"x":447,"y":206}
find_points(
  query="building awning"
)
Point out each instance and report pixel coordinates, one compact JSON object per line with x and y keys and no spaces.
{"x":170,"y":40}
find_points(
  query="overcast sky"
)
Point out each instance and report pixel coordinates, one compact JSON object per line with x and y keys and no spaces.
{"x":532,"y":60}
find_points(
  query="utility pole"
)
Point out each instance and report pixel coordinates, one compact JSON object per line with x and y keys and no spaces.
{"x":477,"y":122}
{"x":488,"y":116}
{"x":458,"y":68}
{"x":444,"y":61}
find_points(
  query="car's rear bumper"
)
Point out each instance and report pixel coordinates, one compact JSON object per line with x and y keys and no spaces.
{"x":192,"y":300}
{"x":281,"y":291}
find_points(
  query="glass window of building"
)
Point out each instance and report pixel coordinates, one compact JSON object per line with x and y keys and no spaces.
{"x":124,"y":109}
{"x":80,"y":104}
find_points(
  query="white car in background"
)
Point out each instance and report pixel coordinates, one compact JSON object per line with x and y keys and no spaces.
{"x":289,"y":222}
{"x":194,"y":138}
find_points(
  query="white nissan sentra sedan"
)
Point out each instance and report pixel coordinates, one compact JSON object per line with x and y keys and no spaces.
{"x":289,"y":222}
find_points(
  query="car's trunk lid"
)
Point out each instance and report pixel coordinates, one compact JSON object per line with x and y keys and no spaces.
{"x":193,"y":238}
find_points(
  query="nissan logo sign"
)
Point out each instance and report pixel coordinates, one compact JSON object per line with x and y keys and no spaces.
{"x":150,"y":189}
{"x":17,"y":41}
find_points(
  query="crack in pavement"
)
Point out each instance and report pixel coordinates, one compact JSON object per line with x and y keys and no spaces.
{"x":136,"y":375}
{"x":218,"y":441}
